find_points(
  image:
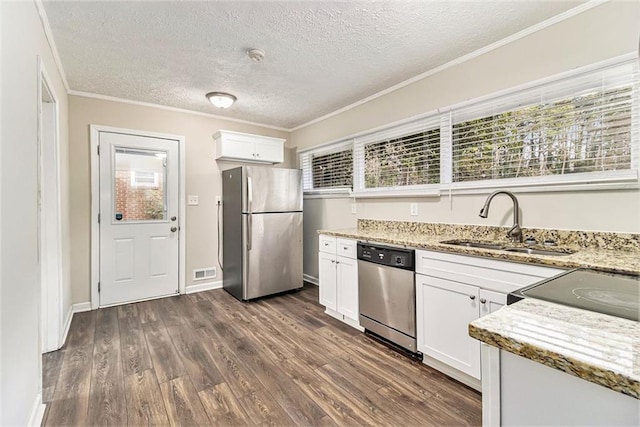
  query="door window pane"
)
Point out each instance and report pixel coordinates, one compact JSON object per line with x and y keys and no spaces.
{"x":139,"y":187}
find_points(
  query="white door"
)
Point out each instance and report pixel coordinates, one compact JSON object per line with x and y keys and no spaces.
{"x":139,"y":181}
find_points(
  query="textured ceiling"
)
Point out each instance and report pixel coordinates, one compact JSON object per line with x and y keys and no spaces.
{"x":320,"y":56}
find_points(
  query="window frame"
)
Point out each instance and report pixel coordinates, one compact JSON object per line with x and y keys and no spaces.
{"x":514,"y":98}
{"x":559,"y":85}
{"x":394,"y":132}
{"x":304,"y":159}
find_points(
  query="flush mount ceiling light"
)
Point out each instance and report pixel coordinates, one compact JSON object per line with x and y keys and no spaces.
{"x":221,"y":99}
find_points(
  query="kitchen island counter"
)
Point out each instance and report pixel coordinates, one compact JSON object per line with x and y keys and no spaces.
{"x":596,"y":347}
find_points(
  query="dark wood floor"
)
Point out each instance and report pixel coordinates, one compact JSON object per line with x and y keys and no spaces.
{"x":207,"y":359}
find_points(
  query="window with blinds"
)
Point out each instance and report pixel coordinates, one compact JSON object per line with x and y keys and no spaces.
{"x":566,"y":132}
{"x":578,"y":125}
{"x":407,"y":160}
{"x":404,"y":157}
{"x":328,"y":168}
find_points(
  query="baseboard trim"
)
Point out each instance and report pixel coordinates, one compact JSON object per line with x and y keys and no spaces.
{"x":191,"y":289}
{"x":81,"y":307}
{"x":75,"y":308}
{"x":311,"y":279}
{"x":37,"y":412}
{"x":67,"y":326}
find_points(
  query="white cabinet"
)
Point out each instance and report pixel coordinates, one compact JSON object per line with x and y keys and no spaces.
{"x":338,"y":278}
{"x":248,"y":147}
{"x":491,"y":301}
{"x":452,"y":291}
{"x":328,"y":280}
{"x":347,"y":285}
{"x":445,"y":310}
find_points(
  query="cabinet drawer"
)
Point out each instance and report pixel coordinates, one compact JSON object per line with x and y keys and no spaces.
{"x":346,"y":248}
{"x":495,"y":275}
{"x":327,"y":244}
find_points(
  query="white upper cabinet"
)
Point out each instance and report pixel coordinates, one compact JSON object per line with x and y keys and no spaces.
{"x":246,"y":147}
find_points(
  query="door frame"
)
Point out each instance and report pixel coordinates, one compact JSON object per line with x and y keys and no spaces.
{"x":50,"y":218}
{"x":95,"y":205}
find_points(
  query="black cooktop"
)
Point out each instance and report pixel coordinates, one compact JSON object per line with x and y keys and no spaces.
{"x":614,"y":294}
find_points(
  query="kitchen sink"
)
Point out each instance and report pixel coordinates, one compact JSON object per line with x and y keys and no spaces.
{"x":503,"y":247}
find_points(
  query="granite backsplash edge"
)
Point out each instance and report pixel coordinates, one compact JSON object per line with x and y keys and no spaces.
{"x":576,"y":239}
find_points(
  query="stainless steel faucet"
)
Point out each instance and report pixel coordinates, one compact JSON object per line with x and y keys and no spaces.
{"x":515,"y":232}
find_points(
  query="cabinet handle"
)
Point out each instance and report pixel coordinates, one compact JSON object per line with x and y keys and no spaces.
{"x":472,"y":297}
{"x":333,"y":261}
{"x":345,"y":248}
{"x":483,"y":301}
{"x":326,"y":244}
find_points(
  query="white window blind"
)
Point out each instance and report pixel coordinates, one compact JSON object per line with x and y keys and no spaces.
{"x":329,"y":167}
{"x":399,"y":157}
{"x":141,"y":178}
{"x":583,"y":124}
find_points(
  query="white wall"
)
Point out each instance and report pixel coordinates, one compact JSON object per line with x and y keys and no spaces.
{"x":202,"y":175}
{"x":603,"y":32}
{"x":23,"y":39}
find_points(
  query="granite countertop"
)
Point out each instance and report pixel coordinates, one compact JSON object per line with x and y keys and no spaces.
{"x":596,"y":347}
{"x":617,"y":258}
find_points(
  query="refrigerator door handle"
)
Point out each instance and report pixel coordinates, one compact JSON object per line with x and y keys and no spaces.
{"x":249,"y":194}
{"x":249,"y":216}
{"x":249,"y":230}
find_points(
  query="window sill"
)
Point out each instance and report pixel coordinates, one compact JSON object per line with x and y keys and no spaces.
{"x":328,"y":193}
{"x":388,"y":193}
{"x":619,"y":180}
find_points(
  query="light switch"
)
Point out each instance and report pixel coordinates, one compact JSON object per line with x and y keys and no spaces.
{"x":414,"y":209}
{"x":192,"y":200}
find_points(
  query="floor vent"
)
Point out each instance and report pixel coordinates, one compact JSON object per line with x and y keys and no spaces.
{"x":204,"y":273}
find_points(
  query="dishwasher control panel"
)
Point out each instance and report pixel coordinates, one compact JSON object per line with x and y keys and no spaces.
{"x":387,"y":255}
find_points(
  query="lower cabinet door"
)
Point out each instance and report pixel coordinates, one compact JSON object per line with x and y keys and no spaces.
{"x":445,"y":309}
{"x":348,"y":287}
{"x":327,"y":280}
{"x":491,"y":301}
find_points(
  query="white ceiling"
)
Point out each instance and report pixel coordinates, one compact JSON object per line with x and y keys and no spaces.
{"x":320,"y":56}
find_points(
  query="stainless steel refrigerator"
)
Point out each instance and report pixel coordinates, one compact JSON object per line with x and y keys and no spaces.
{"x":262,"y":231}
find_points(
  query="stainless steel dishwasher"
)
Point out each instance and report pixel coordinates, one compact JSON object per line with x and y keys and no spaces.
{"x":387,"y":294}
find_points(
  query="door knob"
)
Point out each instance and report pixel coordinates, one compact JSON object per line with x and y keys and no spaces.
{"x":173,"y":218}
{"x":174,"y":229}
